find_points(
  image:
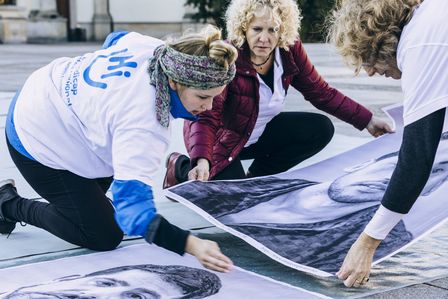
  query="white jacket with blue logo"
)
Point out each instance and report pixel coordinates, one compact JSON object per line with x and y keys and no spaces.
{"x":94,"y":115}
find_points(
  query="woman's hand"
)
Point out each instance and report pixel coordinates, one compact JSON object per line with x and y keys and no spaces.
{"x":378,"y":127}
{"x":201,"y":172}
{"x":208,"y":254}
{"x":355,"y":269}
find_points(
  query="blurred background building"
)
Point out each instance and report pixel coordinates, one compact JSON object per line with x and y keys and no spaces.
{"x":80,"y":20}
{"x":43,"y":21}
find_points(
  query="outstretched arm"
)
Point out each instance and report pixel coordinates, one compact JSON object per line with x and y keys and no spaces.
{"x":417,"y":153}
{"x":136,"y":215}
{"x":324,"y":97}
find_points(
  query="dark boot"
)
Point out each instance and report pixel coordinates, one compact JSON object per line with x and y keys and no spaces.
{"x":174,"y":162}
{"x":7,"y":192}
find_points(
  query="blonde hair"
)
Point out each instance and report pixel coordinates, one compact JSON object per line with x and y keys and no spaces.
{"x":207,"y":42}
{"x":285,"y":13}
{"x":368,"y":31}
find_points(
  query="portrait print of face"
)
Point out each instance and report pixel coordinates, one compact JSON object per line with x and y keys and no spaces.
{"x":138,"y":271}
{"x":279,"y":214}
{"x":136,"y":281}
{"x":368,"y":181}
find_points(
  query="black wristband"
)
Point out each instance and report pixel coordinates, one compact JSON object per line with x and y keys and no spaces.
{"x":167,"y":235}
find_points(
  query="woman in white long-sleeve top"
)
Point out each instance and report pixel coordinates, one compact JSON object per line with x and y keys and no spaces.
{"x":81,"y":124}
{"x":405,"y":39}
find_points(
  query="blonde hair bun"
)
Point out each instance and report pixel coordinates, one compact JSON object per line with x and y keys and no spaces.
{"x":222,"y":52}
{"x":207,"y":42}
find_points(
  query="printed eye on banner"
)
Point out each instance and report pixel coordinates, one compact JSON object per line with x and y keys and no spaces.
{"x":116,"y":68}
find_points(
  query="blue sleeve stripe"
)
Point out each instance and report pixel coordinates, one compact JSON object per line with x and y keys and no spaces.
{"x":134,"y":205}
{"x":113,"y":38}
{"x":11,"y":132}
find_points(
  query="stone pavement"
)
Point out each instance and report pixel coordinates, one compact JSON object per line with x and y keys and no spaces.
{"x":18,"y":61}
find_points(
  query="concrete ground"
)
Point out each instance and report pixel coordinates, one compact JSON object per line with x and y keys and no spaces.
{"x":30,"y":244}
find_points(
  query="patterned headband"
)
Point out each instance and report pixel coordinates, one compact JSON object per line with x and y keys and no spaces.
{"x":200,"y":72}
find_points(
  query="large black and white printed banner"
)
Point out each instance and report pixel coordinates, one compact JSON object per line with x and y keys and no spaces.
{"x":308,"y":218}
{"x":138,"y":271}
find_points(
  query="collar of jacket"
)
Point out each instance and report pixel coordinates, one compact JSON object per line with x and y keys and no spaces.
{"x":244,"y":65}
{"x":178,"y":109}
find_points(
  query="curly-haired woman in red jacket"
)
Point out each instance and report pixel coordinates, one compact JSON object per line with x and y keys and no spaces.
{"x":247,"y":121}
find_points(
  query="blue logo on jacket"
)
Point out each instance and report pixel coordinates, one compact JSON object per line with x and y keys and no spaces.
{"x":119,"y":65}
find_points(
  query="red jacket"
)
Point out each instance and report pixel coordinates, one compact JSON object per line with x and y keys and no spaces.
{"x":221,"y":133}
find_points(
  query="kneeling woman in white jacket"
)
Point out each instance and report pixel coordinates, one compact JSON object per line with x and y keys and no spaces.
{"x":80,"y":124}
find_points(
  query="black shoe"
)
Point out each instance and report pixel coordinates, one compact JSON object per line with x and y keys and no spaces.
{"x":7,"y":227}
{"x":7,"y":192}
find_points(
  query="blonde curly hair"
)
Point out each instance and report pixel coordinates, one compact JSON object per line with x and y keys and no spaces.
{"x":368,"y":32}
{"x":285,"y":13}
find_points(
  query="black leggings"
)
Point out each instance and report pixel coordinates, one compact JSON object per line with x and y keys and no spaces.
{"x":78,"y":211}
{"x":288,"y":139}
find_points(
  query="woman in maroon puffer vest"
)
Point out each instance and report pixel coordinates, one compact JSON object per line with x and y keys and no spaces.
{"x":247,"y":121}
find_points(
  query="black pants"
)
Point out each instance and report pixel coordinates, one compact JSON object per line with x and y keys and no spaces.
{"x":78,"y":210}
{"x":288,"y":139}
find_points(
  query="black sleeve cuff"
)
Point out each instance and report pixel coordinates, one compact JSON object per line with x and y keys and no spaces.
{"x":167,"y":235}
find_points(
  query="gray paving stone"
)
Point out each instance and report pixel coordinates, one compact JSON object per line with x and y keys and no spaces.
{"x":421,"y":291}
{"x":441,"y":283}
